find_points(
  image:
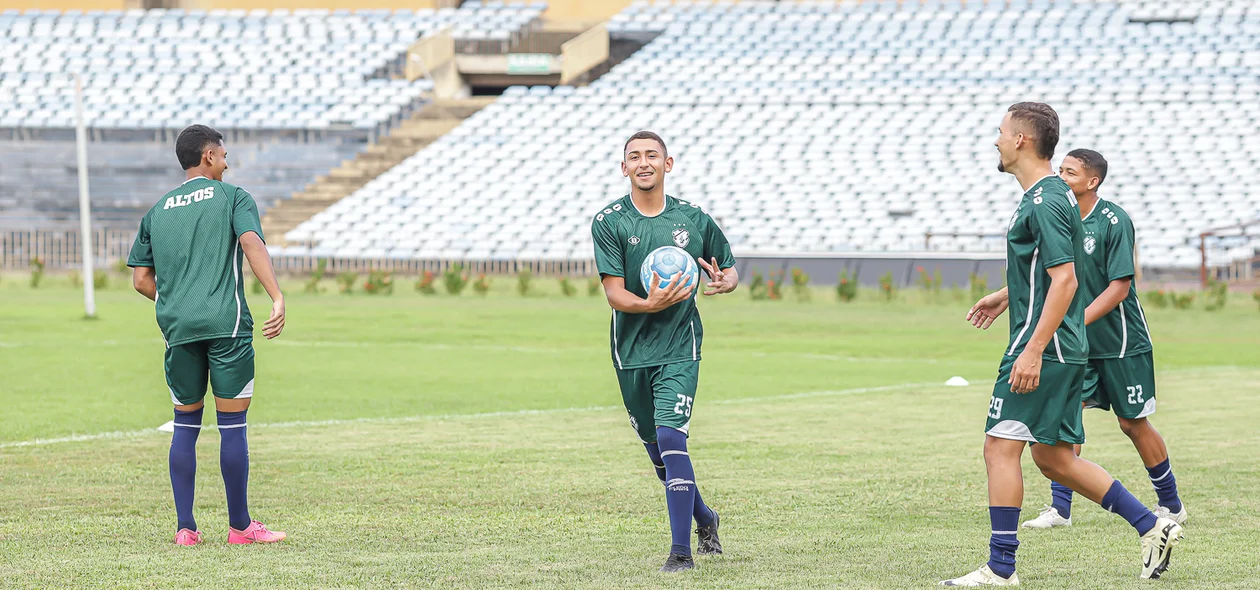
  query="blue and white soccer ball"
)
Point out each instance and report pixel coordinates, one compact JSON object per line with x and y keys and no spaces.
{"x":668,"y":261}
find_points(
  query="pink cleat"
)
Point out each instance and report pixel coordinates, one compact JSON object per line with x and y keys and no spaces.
{"x":255,"y":533}
{"x":188,"y":537}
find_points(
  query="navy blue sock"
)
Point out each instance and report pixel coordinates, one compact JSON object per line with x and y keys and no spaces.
{"x":680,"y":487}
{"x":183,"y":465}
{"x":1165,"y":486}
{"x":1002,"y":540}
{"x":234,"y":462}
{"x":700,"y":512}
{"x":1061,"y":499}
{"x":1120,"y":501}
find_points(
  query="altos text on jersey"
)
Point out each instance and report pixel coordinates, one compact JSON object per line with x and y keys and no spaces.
{"x":1108,"y":246}
{"x":191,"y":238}
{"x":1045,"y":232}
{"x":623,"y":238}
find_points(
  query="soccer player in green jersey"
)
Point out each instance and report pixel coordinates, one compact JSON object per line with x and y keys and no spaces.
{"x":187,"y":259}
{"x":1036,"y":399}
{"x":1120,"y":375}
{"x":656,"y":332}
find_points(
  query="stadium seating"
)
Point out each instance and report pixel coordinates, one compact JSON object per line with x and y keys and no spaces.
{"x":158,"y":69}
{"x":39,"y":182}
{"x":816,"y":127}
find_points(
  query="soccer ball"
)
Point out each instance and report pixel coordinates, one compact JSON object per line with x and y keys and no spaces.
{"x":668,"y":261}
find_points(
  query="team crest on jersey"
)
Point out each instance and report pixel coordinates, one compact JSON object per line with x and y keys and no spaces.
{"x":1014,"y":216}
{"x":1090,"y":244}
{"x":634,"y":423}
{"x":634,"y":240}
{"x":681,"y":237}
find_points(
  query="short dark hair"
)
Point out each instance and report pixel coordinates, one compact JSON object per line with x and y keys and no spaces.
{"x":1093,"y":161}
{"x":1044,"y":124}
{"x":646,"y":135}
{"x":192,"y":141}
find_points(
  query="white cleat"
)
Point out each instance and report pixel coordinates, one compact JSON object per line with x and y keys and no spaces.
{"x":982,"y":577}
{"x":1157,"y":546}
{"x":1179,"y":518}
{"x":1049,"y":518}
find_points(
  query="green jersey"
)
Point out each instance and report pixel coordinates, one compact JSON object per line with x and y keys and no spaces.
{"x":1045,"y":232}
{"x":1108,"y":250}
{"x":623,"y":238}
{"x":191,"y":239}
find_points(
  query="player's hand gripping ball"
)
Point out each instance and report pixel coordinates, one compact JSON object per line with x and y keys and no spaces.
{"x":668,"y":261}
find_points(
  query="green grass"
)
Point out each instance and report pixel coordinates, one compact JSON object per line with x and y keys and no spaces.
{"x":408,"y":441}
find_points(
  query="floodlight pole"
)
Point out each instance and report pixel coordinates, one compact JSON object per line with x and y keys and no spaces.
{"x":85,"y":203}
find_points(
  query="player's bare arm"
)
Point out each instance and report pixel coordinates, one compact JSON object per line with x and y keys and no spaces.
{"x":144,"y":279}
{"x":260,"y":263}
{"x":985,"y":311}
{"x":658,"y":297}
{"x":1106,"y":301}
{"x":1026,"y":374}
{"x":721,"y":280}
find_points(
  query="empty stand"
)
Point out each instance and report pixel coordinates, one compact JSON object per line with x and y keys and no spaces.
{"x":817,"y":127}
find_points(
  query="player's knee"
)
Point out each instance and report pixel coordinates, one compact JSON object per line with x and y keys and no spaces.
{"x":1132,"y":428}
{"x":669,"y":439}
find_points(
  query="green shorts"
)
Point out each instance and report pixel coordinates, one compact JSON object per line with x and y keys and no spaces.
{"x":1049,"y":414}
{"x":227,"y":363}
{"x":659,"y":396}
{"x":1125,"y":386}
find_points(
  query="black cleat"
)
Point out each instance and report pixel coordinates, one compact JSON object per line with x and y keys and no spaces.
{"x":678,"y":562}
{"x":708,"y":538}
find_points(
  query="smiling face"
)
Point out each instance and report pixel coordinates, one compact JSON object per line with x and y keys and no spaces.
{"x":1077,"y":176}
{"x":1007,"y":143}
{"x":645,"y":163}
{"x":215,"y":159}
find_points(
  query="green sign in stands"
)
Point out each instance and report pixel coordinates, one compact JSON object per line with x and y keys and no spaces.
{"x":529,"y":63}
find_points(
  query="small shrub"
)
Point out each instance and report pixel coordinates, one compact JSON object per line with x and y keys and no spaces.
{"x":567,"y":288}
{"x":482,"y":285}
{"x":757,"y":287}
{"x":1182,"y":300}
{"x":379,"y":282}
{"x":346,"y":281}
{"x":979,"y":285}
{"x":886,"y":286}
{"x":100,"y":278}
{"x":76,"y":279}
{"x":455,"y":279}
{"x":317,"y":275}
{"x":37,"y":272}
{"x":1256,"y":295}
{"x":256,"y":287}
{"x":847,"y":288}
{"x":1217,"y":294}
{"x":522,"y":281}
{"x":120,"y":266}
{"x":1157,"y":298}
{"x":774,"y":286}
{"x":930,"y":282}
{"x":800,"y":284}
{"x":425,"y":284}
{"x":594,"y":287}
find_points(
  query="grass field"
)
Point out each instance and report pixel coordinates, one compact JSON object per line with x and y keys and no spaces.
{"x":405,"y":441}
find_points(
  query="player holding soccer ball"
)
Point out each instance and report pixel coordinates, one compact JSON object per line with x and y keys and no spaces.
{"x":1121,"y":372}
{"x":656,"y":332}
{"x":187,"y":258}
{"x":1037,"y":397}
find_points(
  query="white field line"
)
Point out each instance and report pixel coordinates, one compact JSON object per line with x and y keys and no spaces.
{"x":471,"y":416}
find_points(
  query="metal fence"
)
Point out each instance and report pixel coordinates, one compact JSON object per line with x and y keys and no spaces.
{"x":60,"y":249}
